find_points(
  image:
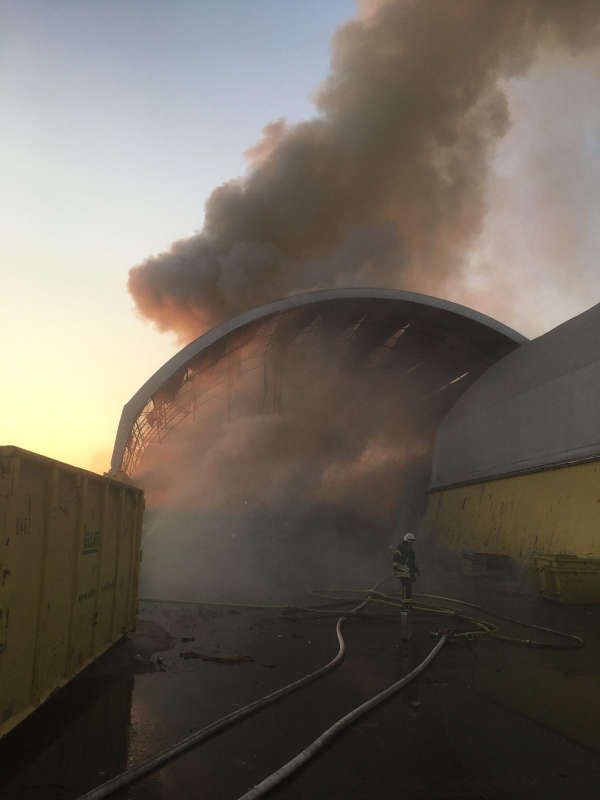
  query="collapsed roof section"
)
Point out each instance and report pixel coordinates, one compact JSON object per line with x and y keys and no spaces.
{"x":432,"y":348}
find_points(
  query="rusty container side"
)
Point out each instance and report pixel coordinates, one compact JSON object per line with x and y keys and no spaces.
{"x":69,"y":564}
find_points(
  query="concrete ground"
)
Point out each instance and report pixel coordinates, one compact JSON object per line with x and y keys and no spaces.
{"x":487,"y":720}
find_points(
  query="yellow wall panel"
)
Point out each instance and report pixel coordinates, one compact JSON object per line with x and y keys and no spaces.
{"x":550,"y":511}
{"x":69,"y":560}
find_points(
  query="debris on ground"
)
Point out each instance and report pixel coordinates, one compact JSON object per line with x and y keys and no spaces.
{"x":217,"y":659}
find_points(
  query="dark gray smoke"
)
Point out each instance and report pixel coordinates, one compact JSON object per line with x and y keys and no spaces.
{"x":251,"y":501}
{"x":386,"y":184}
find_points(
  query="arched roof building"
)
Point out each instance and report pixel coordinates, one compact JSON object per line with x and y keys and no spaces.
{"x":433,"y":348}
{"x":516,"y":463}
{"x":536,"y":409}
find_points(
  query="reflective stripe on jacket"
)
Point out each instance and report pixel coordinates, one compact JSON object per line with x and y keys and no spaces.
{"x":405,"y":564}
{"x":401,"y":570}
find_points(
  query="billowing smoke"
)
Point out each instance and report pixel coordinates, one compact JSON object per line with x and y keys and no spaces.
{"x":386,"y":185}
{"x":248,"y":502}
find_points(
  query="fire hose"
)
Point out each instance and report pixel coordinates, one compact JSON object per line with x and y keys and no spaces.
{"x":370,"y":595}
{"x":201,"y":735}
{"x":327,"y":736}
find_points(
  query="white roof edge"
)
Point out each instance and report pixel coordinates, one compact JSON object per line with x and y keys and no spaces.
{"x":135,"y":405}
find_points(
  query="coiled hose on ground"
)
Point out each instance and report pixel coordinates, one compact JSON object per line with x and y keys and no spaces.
{"x":573,"y":642}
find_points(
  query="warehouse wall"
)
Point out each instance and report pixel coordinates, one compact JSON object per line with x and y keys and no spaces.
{"x":550,"y":511}
{"x":516,"y":466}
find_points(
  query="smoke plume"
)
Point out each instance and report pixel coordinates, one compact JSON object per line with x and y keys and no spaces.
{"x":246,"y":503}
{"x":386,"y":185}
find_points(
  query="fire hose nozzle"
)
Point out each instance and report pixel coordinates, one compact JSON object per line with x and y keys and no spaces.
{"x":437,"y":634}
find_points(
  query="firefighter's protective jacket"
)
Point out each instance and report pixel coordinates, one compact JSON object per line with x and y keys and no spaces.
{"x":405,"y":564}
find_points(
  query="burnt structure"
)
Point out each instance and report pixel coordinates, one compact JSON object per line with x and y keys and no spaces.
{"x":428,"y":349}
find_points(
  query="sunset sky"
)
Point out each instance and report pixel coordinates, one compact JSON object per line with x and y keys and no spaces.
{"x":120,"y":118}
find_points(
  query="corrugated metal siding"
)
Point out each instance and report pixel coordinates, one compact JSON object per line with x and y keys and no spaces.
{"x":552,"y":511}
{"x":69,"y":564}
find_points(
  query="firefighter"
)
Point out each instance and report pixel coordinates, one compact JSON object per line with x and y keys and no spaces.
{"x":405,"y":565}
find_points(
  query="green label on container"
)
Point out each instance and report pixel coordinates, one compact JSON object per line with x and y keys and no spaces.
{"x":91,"y":542}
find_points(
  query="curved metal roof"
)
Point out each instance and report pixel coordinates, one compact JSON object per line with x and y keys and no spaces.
{"x":468,"y":337}
{"x":536,"y":409}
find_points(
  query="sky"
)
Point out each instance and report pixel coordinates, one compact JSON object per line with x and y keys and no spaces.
{"x":120,"y":118}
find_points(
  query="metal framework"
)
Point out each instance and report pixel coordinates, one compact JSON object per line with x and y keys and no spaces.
{"x":372,"y":329}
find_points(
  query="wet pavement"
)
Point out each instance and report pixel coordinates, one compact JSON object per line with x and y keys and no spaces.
{"x":487,"y":720}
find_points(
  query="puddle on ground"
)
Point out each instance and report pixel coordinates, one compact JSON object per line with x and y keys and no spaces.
{"x":146,"y":693}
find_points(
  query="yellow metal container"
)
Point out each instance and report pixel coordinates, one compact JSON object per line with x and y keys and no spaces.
{"x":69,"y":565}
{"x":569,"y":579}
{"x":486,"y":564}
